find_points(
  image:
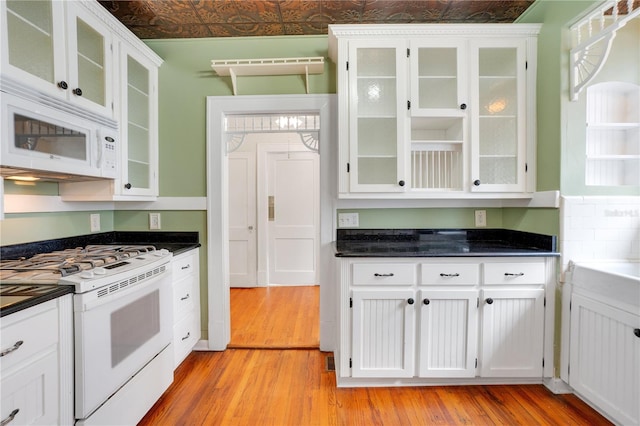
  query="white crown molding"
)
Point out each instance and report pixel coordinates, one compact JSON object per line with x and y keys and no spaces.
{"x":405,"y":30}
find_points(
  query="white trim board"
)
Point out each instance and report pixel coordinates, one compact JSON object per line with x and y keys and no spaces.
{"x":14,"y":203}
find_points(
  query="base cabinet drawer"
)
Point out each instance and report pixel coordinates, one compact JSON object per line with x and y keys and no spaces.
{"x":450,"y":274}
{"x":384,"y":274}
{"x":514,"y":273}
{"x":186,"y":334}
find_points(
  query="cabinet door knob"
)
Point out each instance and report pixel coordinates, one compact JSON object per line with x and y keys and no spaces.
{"x":463,"y":106}
{"x":637,"y":332}
{"x":489,"y":301}
{"x":63,"y":85}
{"x":77,"y":91}
{"x":410,"y":301}
{"x":401,"y":183}
{"x":426,"y":301}
{"x":127,"y":185}
{"x":476,"y":182}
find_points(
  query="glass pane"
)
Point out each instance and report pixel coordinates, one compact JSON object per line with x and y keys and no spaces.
{"x":377,"y":137}
{"x":376,"y":97}
{"x":373,"y":171}
{"x":498,"y":96}
{"x":138,"y":144}
{"x":137,"y":75}
{"x":377,"y":62}
{"x":30,"y":37}
{"x":40,"y":136}
{"x":498,"y":171}
{"x":498,"y":136}
{"x":498,"y":61}
{"x":138,"y":107}
{"x":138,"y":174}
{"x":91,"y":73}
{"x":437,"y":73}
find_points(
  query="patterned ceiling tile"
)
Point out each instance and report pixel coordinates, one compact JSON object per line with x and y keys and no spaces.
{"x":242,"y":18}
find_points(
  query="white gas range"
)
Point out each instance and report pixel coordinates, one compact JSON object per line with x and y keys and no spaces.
{"x":122,"y":324}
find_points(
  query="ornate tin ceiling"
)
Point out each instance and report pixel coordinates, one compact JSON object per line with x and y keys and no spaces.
{"x":244,"y":18}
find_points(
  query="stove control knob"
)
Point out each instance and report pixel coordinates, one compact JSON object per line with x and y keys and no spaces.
{"x":161,"y":252}
{"x":86,"y":274}
{"x":99,"y":271}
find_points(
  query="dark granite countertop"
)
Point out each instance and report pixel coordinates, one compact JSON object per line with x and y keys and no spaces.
{"x":175,"y":242}
{"x":16,"y":297}
{"x":442,"y":243}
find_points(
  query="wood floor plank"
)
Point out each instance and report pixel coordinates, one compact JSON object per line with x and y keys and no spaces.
{"x":292,"y":387}
{"x":275,"y":317}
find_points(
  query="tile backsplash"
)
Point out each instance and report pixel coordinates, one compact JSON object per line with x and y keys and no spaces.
{"x":599,"y":228}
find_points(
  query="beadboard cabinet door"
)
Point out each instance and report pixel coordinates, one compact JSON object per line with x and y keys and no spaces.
{"x":448,"y":333}
{"x":383,"y":333}
{"x":512,"y":332}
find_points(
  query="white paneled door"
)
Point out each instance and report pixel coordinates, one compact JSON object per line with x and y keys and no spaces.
{"x":292,"y":223}
{"x":242,"y":220}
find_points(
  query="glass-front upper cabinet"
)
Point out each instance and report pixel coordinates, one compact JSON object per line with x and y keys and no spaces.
{"x":59,"y":48}
{"x":139,"y":125}
{"x":498,"y":151}
{"x":377,"y":110}
{"x":438,"y":82}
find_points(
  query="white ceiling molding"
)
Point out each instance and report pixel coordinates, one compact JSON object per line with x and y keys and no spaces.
{"x":593,"y":35}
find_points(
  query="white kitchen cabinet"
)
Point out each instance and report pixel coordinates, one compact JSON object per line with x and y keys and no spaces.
{"x":499,"y":115}
{"x":186,"y":303}
{"x":438,"y":320}
{"x":454,"y":118}
{"x":138,"y":143}
{"x":605,"y":357}
{"x":512,"y":332}
{"x":377,"y":106}
{"x":448,"y":333}
{"x":62,"y":49}
{"x":37,"y":364}
{"x":383,"y":329}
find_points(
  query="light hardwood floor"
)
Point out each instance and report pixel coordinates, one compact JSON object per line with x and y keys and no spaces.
{"x":293,"y":387}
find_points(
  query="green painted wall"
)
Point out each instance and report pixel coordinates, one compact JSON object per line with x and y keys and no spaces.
{"x":24,"y":228}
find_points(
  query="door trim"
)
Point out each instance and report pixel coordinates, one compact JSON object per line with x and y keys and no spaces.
{"x":218,"y":301}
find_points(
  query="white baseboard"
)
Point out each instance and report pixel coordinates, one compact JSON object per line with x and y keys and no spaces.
{"x":557,"y":386}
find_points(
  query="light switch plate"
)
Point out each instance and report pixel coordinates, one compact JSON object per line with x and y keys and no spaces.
{"x":348,"y":220}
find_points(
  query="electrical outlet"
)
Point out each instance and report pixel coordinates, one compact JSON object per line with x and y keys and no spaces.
{"x":154,"y":220}
{"x":481,"y":218}
{"x":348,"y":220}
{"x":94,"y":220}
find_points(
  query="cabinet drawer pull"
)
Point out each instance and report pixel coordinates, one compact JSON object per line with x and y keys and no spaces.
{"x":10,"y":417}
{"x":187,"y":336}
{"x":383,"y":275}
{"x":185,"y":297}
{"x":508,"y":274}
{"x":186,"y":267}
{"x":11,"y":349}
{"x":450,"y":275}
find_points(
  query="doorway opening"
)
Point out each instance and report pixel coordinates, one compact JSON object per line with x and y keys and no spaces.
{"x":218,"y":199}
{"x":274,"y":219}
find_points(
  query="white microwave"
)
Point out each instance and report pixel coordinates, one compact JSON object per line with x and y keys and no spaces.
{"x":44,"y":142}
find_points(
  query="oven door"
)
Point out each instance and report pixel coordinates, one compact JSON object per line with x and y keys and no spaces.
{"x":116,"y":335}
